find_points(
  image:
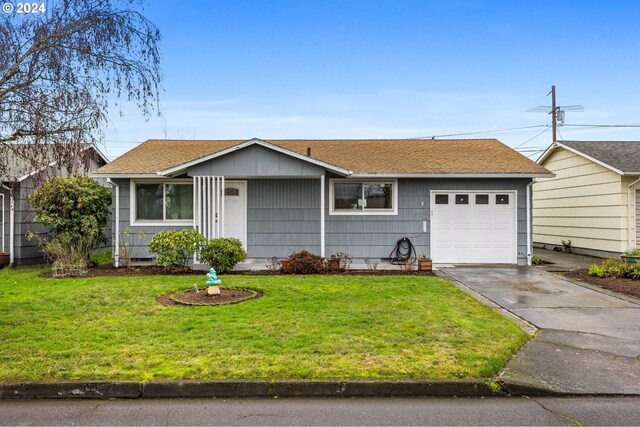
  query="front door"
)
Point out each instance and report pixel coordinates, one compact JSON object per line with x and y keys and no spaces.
{"x":235,"y":210}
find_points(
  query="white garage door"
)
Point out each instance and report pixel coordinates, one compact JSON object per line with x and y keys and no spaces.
{"x":473,"y":227}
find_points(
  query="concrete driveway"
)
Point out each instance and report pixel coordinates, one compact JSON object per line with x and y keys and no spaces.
{"x":588,"y":341}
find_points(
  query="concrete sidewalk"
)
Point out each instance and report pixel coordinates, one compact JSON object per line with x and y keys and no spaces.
{"x":588,"y":342}
{"x":561,"y":261}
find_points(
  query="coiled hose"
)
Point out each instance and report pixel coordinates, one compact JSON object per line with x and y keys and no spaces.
{"x":403,"y":252}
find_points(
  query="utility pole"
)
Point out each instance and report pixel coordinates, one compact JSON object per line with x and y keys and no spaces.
{"x":553,"y":113}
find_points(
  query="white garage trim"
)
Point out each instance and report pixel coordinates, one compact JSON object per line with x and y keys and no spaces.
{"x":444,"y":248}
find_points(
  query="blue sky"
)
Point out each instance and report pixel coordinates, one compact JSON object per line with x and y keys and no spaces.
{"x":389,"y":69}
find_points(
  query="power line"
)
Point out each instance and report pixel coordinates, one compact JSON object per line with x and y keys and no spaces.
{"x":532,"y":138}
{"x":480,"y":132}
{"x":604,"y":126}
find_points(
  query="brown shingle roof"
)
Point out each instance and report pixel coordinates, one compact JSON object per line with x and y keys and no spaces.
{"x":362,"y":156}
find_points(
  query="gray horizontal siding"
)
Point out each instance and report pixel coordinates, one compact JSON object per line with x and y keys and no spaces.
{"x":283,"y":216}
{"x":255,"y":162}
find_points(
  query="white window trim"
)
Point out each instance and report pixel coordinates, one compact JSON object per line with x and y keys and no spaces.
{"x":159,"y":222}
{"x":379,"y":212}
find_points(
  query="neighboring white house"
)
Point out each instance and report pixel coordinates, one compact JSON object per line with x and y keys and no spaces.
{"x":593,"y":200}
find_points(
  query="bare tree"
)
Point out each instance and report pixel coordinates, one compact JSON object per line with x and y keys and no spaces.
{"x":61,"y":71}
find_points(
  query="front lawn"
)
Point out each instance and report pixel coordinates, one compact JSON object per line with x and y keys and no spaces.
{"x":303,"y":327}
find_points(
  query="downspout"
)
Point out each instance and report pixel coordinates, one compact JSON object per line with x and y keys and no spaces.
{"x":322,"y":241}
{"x":12,"y":221}
{"x":116,"y":237}
{"x":529,"y":213}
{"x":2,"y":221}
{"x":630,"y":237}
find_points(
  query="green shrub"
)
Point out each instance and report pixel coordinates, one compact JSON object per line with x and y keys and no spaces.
{"x":69,"y":253}
{"x":597,"y":270}
{"x":304,"y":262}
{"x":176,"y":247}
{"x":612,"y":267}
{"x":222,"y":253}
{"x":632,"y":271}
{"x":74,"y":205}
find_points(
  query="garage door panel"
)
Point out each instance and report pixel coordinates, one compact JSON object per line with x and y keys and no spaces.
{"x":474,"y":233}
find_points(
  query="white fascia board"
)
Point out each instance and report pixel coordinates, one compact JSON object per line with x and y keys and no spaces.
{"x":594,"y":160}
{"x":452,"y":175}
{"x":248,"y":143}
{"x":123,"y":175}
{"x":546,"y":153}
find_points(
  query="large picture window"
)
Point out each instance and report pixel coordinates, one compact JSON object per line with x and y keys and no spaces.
{"x":163,"y":202}
{"x":363,"y":197}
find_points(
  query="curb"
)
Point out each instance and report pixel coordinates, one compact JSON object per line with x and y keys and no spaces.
{"x":244,"y":388}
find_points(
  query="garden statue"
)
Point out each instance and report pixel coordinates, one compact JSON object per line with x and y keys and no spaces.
{"x":213,"y":282}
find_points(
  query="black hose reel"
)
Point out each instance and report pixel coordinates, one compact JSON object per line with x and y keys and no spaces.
{"x":403,"y":252}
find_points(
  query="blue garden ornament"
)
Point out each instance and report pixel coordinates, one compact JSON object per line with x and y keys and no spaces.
{"x":212,"y":278}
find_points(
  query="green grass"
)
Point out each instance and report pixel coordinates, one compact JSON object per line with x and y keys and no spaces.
{"x":304,"y":327}
{"x":103,"y":258}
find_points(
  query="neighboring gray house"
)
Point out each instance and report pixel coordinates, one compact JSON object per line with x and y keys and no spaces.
{"x":459,"y":201}
{"x":17,"y":183}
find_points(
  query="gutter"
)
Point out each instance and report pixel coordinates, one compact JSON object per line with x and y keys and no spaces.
{"x":12,"y":222}
{"x":630,"y":237}
{"x":529,"y":213}
{"x":116,"y":238}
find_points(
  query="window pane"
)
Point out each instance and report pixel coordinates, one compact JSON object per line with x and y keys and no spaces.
{"x":347,"y":195}
{"x":462,"y":199}
{"x":482,"y":199}
{"x":378,"y":196}
{"x":502,"y":199}
{"x":149,"y":201}
{"x":179,"y":201}
{"x":442,"y":199}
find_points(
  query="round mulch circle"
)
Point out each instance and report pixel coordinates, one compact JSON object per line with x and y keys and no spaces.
{"x":191,"y":297}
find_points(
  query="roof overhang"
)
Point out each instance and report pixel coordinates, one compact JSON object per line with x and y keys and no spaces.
{"x":452,"y":175}
{"x":53,"y":163}
{"x":255,"y":141}
{"x":557,"y":144}
{"x":123,"y":175}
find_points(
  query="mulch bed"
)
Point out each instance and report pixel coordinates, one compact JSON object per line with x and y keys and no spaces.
{"x":191,"y":297}
{"x":155,"y":270}
{"x":617,"y":284}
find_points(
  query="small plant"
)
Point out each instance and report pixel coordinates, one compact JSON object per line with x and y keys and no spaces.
{"x":68,"y":252}
{"x":176,"y":247}
{"x":632,"y":252}
{"x":340,"y":261}
{"x":409,"y":266}
{"x":372,"y":265}
{"x":274,"y":264}
{"x":566,"y":246}
{"x":537,"y":261}
{"x":222,"y":253}
{"x":128,"y":249}
{"x":304,"y":262}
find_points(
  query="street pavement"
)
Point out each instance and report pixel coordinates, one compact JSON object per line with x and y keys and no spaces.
{"x":588,"y":341}
{"x":406,"y":411}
